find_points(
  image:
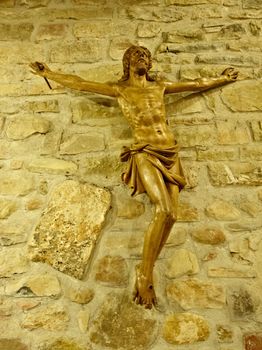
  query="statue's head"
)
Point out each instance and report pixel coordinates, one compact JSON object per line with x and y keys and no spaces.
{"x":129,"y":54}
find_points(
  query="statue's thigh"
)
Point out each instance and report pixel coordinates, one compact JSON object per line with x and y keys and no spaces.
{"x":153,"y":181}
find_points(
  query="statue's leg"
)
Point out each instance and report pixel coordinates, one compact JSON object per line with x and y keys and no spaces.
{"x":173,"y":191}
{"x":163,"y":220}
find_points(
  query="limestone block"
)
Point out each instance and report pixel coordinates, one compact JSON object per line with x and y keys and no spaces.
{"x":191,"y":136}
{"x":148,"y":30}
{"x":12,"y":261}
{"x":118,"y":46}
{"x":243,"y":96}
{"x":185,"y":328}
{"x":186,"y":212}
{"x":249,"y":206}
{"x":194,"y":294}
{"x":68,"y":229}
{"x":252,"y":4}
{"x":107,"y":29}
{"x":44,"y":285}
{"x":82,"y":143}
{"x":186,"y":105}
{"x":236,"y":173}
{"x":208,"y":235}
{"x":154,"y":14}
{"x":232,"y":59}
{"x":13,"y":31}
{"x":12,"y":344}
{"x":130,"y":327}
{"x":240,"y":250}
{"x":224,"y":333}
{"x":42,"y":106}
{"x":242,"y":303}
{"x":191,"y":171}
{"x":251,"y":152}
{"x":83,"y":320}
{"x":177,"y":237}
{"x":112,"y":271}
{"x":20,"y":53}
{"x":14,"y":233}
{"x":184,"y":262}
{"x":79,"y":295}
{"x":222,"y":210}
{"x":17,"y":184}
{"x":32,"y":3}
{"x":256,"y":127}
{"x":228,"y":272}
{"x":53,"y":317}
{"x":216,"y":154}
{"x":82,"y":51}
{"x":91,"y":113}
{"x":129,"y":208}
{"x":51,"y":31}
{"x":52,"y":166}
{"x":21,"y":127}
{"x":51,"y":142}
{"x":231,"y":132}
{"x":7,"y":207}
{"x":185,"y":35}
{"x":64,"y":344}
{"x":190,"y":47}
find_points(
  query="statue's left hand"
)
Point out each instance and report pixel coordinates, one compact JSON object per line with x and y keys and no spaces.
{"x":39,"y":68}
{"x":231,"y":74}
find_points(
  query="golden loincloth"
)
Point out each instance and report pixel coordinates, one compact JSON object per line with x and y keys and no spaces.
{"x":163,"y":159}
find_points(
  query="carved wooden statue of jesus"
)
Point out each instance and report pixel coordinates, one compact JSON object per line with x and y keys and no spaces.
{"x":153,"y":162}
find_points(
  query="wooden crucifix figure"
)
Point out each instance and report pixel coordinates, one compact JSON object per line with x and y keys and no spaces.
{"x":153,"y":162}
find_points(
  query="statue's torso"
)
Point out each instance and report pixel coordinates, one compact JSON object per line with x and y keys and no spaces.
{"x":144,"y":109}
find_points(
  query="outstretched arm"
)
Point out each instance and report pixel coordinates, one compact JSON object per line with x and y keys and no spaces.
{"x":229,"y":75}
{"x":73,"y":81}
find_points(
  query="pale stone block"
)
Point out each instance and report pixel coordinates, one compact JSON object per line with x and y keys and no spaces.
{"x":17,"y":184}
{"x":12,"y":261}
{"x":191,"y":136}
{"x":79,"y":294}
{"x":151,"y":14}
{"x":118,"y":47}
{"x":83,"y":51}
{"x":231,"y":132}
{"x":7,"y":207}
{"x":112,"y":271}
{"x":34,"y":204}
{"x":184,"y":262}
{"x":232,"y":59}
{"x":129,"y":208}
{"x":51,"y":31}
{"x":222,"y":210}
{"x":44,"y":285}
{"x":52,"y":166}
{"x":65,"y":344}
{"x":209,"y":235}
{"x":21,"y":127}
{"x":217,"y":154}
{"x":187,"y":212}
{"x":42,"y":106}
{"x":252,"y":4}
{"x":194,"y":294}
{"x":83,"y":320}
{"x":243,"y":96}
{"x":177,"y":237}
{"x":82,"y":143}
{"x":69,"y":227}
{"x":13,"y":31}
{"x":228,"y":272}
{"x":256,"y":127}
{"x":148,"y":30}
{"x":20,"y":53}
{"x":191,"y":47}
{"x":185,"y":328}
{"x":32,"y":3}
{"x":126,"y":321}
{"x":53,"y":317}
{"x":14,"y":233}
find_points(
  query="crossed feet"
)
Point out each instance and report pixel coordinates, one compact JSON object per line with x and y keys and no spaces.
{"x":144,"y":293}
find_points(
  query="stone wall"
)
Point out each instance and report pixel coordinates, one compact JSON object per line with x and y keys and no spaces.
{"x":70,"y":233}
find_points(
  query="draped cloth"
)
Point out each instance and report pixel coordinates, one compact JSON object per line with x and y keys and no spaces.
{"x":164,"y":159}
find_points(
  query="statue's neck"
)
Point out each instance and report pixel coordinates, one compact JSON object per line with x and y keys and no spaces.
{"x":137,"y":80}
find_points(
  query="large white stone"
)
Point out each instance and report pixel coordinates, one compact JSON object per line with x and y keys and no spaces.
{"x":184,"y":262}
{"x":69,"y":227}
{"x":22,"y":127}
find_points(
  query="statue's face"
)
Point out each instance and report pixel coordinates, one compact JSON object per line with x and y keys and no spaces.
{"x":139,"y":61}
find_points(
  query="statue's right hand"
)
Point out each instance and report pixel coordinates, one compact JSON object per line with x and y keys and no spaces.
{"x":39,"y":68}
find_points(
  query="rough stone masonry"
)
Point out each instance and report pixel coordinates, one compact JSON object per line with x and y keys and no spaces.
{"x":70,"y":233}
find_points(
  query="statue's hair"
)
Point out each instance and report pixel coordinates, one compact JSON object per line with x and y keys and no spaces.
{"x":126,"y":62}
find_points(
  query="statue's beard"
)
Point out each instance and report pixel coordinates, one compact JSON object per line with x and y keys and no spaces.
{"x":141,"y":70}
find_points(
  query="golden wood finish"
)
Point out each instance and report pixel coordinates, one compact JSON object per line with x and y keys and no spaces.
{"x":142,"y":102}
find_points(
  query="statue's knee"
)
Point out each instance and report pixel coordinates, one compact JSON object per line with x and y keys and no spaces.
{"x":166,"y":214}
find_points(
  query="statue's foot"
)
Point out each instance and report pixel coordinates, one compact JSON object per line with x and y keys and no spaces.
{"x":144,"y":293}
